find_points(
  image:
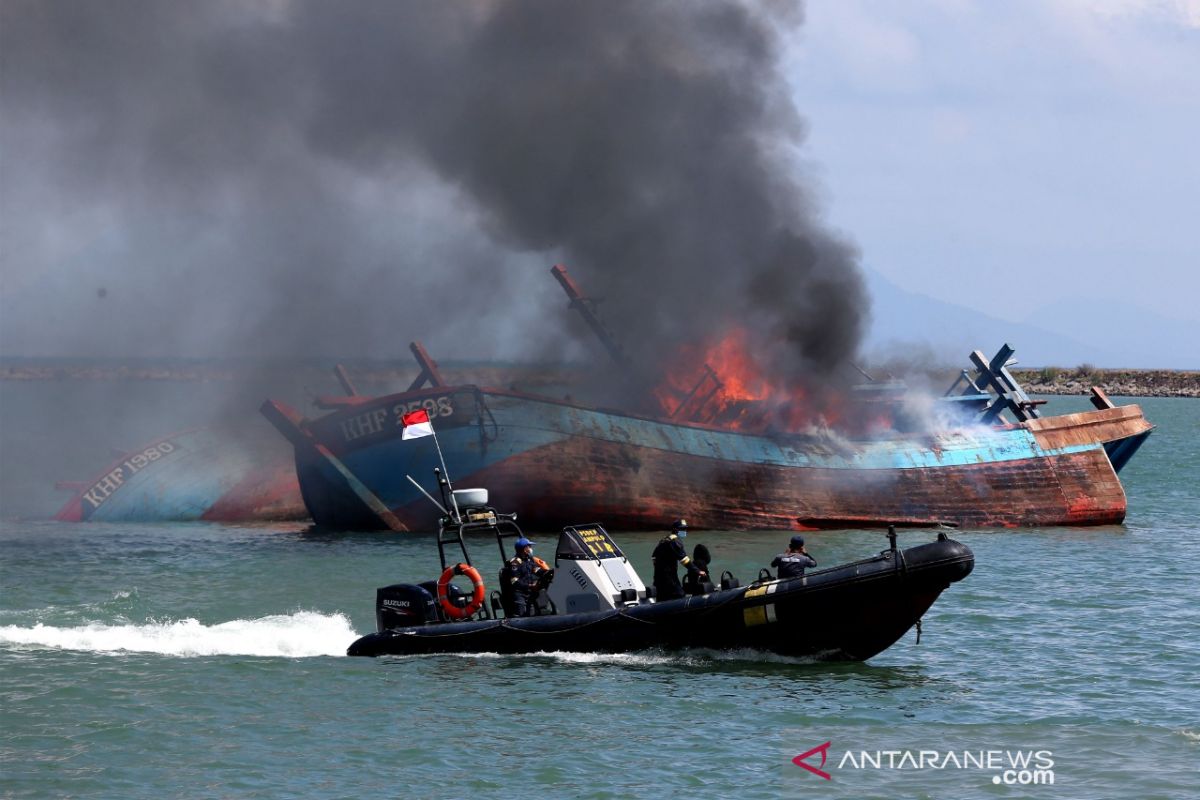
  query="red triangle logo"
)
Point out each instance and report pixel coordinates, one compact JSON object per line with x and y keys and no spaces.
{"x":823,"y":749}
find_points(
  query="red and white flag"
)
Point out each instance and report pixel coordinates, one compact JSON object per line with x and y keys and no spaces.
{"x":416,"y":424}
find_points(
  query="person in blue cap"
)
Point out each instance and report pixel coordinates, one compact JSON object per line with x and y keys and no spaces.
{"x":667,"y":554}
{"x":794,"y":560}
{"x":526,"y":576}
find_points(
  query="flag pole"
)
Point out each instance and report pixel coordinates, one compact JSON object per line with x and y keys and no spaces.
{"x":446,"y":472}
{"x":421,"y":417}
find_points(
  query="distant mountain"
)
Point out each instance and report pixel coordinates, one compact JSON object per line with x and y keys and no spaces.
{"x":905,"y":324}
{"x":1128,"y":335}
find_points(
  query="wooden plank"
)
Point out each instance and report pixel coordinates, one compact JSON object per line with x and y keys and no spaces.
{"x":1025,"y":408}
{"x":1100,"y":399}
{"x":1008,"y":392}
{"x":970,"y":388}
{"x":587,"y":309}
{"x":984,"y":373}
{"x":344,"y":379}
{"x":429,"y":369}
{"x":708,"y":374}
{"x":289,"y":422}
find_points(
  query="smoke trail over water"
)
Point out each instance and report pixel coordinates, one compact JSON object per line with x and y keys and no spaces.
{"x":303,"y":177}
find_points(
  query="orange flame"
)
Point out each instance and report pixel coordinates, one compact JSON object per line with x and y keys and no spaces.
{"x":723,"y":383}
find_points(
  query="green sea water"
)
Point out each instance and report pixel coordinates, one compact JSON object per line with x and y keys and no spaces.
{"x":197,"y":660}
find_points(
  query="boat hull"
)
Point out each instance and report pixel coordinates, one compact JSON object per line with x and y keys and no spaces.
{"x":199,"y":474}
{"x":1121,"y":429}
{"x":560,"y":462}
{"x":847,"y":613}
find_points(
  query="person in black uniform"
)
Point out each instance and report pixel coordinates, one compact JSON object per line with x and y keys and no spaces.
{"x":794,"y":560}
{"x":666,"y":556}
{"x":525,"y":576}
{"x":696,"y":581}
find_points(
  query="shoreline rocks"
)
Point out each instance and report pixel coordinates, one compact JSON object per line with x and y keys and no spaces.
{"x":1116,"y":382}
{"x":1045,"y":380}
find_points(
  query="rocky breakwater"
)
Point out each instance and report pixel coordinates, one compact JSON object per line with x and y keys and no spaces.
{"x":1116,"y":382}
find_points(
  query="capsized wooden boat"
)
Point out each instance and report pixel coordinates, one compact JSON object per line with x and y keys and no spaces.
{"x":198,"y":474}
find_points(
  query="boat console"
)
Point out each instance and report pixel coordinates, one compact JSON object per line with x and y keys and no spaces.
{"x":592,"y":574}
{"x":590,"y":571}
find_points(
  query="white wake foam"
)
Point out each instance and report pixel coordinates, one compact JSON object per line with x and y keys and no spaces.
{"x":304,"y":633}
{"x":651,"y":658}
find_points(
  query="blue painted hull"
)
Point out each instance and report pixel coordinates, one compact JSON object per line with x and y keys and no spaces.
{"x":192,"y":475}
{"x":558,"y":463}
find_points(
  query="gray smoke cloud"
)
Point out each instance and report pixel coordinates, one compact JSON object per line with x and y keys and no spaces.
{"x":300,"y":178}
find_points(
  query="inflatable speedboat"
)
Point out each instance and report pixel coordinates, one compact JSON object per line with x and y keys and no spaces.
{"x":597,"y":603}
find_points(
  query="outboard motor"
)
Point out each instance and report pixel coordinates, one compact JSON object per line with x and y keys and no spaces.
{"x":591,"y":573}
{"x":403,"y":605}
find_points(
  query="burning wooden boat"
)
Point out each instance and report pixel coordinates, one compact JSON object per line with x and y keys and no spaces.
{"x":560,"y":460}
{"x":565,"y":462}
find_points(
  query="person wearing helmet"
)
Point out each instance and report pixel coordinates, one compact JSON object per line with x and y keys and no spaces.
{"x":794,"y":560}
{"x":667,"y":555}
{"x":525,"y":576}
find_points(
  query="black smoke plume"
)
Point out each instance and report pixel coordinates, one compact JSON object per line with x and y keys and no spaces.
{"x":285,"y":178}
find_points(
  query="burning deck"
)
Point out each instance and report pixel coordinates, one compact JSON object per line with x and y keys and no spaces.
{"x":724,"y":445}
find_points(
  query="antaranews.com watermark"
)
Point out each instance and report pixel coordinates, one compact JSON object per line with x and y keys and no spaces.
{"x":1007,"y":767}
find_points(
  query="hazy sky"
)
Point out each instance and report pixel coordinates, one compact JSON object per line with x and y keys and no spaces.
{"x":1035,"y":159}
{"x":305,"y":178}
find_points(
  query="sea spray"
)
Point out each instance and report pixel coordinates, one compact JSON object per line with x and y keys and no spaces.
{"x":297,"y":635}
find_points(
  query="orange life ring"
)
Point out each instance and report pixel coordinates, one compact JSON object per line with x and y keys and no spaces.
{"x":452,"y":610}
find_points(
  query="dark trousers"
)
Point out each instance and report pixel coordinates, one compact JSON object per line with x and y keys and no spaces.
{"x":667,"y":588}
{"x":524,"y":605}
